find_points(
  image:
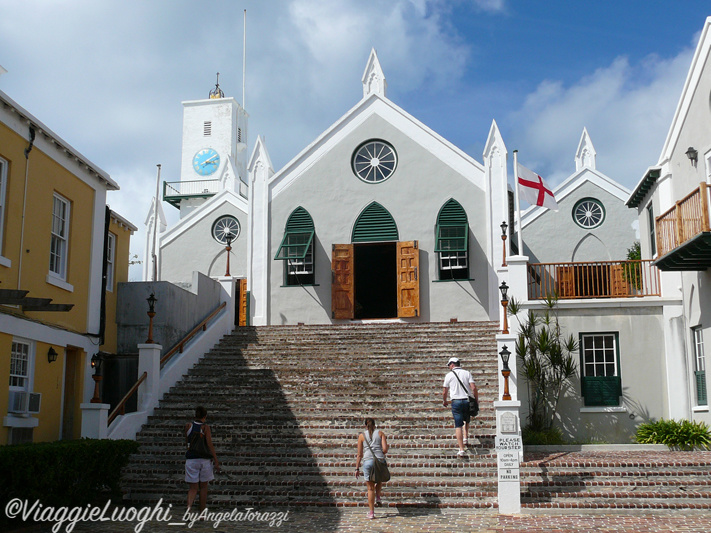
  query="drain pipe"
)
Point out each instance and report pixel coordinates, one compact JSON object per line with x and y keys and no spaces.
{"x":24,"y":204}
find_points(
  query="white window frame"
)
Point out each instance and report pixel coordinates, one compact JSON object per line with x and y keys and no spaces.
{"x":707,"y":159}
{"x":604,"y":351}
{"x":59,"y":241}
{"x":28,"y":357}
{"x":110,"y":261}
{"x":453,"y":260}
{"x":3,"y":189}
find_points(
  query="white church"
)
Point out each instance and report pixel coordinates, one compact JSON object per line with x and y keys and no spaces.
{"x":381,"y":218}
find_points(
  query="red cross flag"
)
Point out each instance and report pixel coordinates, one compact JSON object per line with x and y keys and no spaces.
{"x":534,"y":190}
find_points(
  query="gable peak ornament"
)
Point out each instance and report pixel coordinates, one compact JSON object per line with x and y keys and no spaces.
{"x":373,"y":77}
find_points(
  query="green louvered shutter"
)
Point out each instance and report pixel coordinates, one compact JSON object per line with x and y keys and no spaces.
{"x":375,"y":224}
{"x":601,"y":390}
{"x":298,"y":235}
{"x":701,"y":397}
{"x":452,"y":230}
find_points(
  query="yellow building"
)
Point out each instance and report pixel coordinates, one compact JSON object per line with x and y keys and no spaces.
{"x":54,"y":311}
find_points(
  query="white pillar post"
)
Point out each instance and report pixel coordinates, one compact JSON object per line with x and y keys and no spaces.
{"x":509,"y":449}
{"x":94,"y":420}
{"x":149,"y":362}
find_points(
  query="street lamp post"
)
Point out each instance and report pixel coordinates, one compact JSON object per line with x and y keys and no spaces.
{"x":151,"y":313}
{"x":96,"y":365}
{"x":506,"y":371}
{"x":504,"y":303}
{"x":228,"y":237}
{"x":504,"y":226}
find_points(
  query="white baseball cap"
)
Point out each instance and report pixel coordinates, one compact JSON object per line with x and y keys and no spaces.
{"x":454,"y":360}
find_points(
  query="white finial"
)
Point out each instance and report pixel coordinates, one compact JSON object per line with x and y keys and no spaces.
{"x":373,"y":77}
{"x":585,"y":154}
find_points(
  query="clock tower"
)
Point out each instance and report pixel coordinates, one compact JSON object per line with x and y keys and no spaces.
{"x":214,"y":151}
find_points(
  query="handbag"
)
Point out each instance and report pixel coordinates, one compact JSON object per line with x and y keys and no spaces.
{"x":473,"y":402}
{"x":381,"y":474}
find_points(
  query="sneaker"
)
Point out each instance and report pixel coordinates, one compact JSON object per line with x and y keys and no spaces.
{"x":378,"y":503}
{"x":371,"y":515}
{"x":466,"y":441}
{"x":461,"y":453}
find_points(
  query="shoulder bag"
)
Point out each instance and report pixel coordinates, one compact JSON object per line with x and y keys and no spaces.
{"x":197,"y":444}
{"x":381,"y":474}
{"x":473,"y":402}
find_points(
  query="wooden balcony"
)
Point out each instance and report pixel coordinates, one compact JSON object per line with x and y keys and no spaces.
{"x":684,"y":235}
{"x":597,"y":279}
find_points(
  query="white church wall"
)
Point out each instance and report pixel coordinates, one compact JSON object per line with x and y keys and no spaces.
{"x":555,"y":237}
{"x":197,"y":250}
{"x":334,"y":197}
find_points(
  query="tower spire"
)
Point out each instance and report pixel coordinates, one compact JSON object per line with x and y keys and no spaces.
{"x":217,"y":92}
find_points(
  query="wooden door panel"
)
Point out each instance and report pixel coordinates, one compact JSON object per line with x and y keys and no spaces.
{"x":408,"y":282}
{"x":242,"y":302}
{"x":342,"y":282}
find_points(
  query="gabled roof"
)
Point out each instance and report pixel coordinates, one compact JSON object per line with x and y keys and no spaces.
{"x":374,"y":104}
{"x":703,"y":49}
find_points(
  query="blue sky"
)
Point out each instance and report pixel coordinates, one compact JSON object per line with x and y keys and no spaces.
{"x":109,"y":76}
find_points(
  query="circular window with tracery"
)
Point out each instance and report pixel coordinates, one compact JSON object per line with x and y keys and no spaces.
{"x":588,"y":213}
{"x":374,"y":161}
{"x":223,"y":226}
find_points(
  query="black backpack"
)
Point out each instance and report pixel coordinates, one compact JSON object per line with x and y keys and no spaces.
{"x":197,"y":444}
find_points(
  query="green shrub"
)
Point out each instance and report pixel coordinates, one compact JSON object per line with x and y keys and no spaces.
{"x":63,"y":473}
{"x":548,"y":437}
{"x":684,"y":434}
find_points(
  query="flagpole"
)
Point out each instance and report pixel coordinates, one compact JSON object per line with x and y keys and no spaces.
{"x":155,"y":227}
{"x":518,"y":203}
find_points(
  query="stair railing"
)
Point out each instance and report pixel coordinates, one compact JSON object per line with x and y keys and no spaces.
{"x":120,"y":408}
{"x":202,"y":326}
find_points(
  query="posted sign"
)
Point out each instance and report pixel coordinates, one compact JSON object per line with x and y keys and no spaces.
{"x":504,"y":443}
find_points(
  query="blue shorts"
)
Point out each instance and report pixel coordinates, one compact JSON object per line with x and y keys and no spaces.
{"x":368,"y":466}
{"x":460,"y":411}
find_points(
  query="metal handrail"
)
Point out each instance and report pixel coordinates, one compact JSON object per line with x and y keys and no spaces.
{"x":201,"y":326}
{"x":121,"y":407}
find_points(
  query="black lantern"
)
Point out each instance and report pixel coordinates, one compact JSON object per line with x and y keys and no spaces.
{"x":52,"y":354}
{"x":505,"y":356}
{"x":504,"y":291}
{"x":693,"y":155}
{"x":96,"y":362}
{"x":152,"y":303}
{"x":504,"y":226}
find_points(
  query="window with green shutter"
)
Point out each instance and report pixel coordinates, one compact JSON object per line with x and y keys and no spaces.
{"x":452,"y":241}
{"x":699,"y":365}
{"x":600,"y":381}
{"x":297,"y":248}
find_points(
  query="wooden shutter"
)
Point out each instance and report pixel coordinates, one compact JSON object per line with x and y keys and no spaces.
{"x":601,"y":390}
{"x":408,"y":282}
{"x":242,"y":302}
{"x":565,"y":282}
{"x":701,"y":398}
{"x":342,"y":282}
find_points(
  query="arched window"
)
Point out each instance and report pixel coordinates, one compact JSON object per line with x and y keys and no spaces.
{"x":452,"y":241}
{"x":297,"y":249}
{"x":374,"y":224}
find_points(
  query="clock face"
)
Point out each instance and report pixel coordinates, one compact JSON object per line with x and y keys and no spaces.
{"x":206,"y":161}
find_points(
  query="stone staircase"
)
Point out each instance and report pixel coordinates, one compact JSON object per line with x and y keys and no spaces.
{"x":286,"y":404}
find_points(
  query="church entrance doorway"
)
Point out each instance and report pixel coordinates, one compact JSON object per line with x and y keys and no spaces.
{"x":375,"y":280}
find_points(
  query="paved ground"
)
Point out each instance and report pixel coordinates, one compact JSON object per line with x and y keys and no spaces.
{"x":424,"y":520}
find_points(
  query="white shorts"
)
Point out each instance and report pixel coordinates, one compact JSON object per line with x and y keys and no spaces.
{"x":198,"y":470}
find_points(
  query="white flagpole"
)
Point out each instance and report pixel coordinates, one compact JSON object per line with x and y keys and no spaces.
{"x":518,"y":203}
{"x":155,"y":227}
{"x":244,"y":61}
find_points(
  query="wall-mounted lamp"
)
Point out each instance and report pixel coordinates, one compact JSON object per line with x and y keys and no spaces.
{"x":52,"y":354}
{"x":693,"y":155}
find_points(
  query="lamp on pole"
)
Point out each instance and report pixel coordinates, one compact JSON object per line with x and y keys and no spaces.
{"x":504,"y":303}
{"x":506,"y":371}
{"x":228,"y":237}
{"x":151,"y":313}
{"x":504,"y":226}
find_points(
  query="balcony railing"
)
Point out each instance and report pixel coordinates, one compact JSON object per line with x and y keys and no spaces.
{"x":174,"y":191}
{"x":688,"y":218}
{"x":597,"y":279}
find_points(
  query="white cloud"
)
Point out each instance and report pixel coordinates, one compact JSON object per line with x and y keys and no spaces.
{"x":626,"y":108}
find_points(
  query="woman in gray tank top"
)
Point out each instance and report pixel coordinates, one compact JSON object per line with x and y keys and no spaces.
{"x":371,"y":439}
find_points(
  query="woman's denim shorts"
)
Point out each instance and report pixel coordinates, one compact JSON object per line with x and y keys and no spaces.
{"x":460,"y":410}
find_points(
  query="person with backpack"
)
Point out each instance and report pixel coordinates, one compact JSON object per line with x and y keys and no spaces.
{"x":199,"y":458}
{"x":456,"y":383}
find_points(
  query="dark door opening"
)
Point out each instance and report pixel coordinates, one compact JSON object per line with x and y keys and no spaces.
{"x":375,"y":280}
